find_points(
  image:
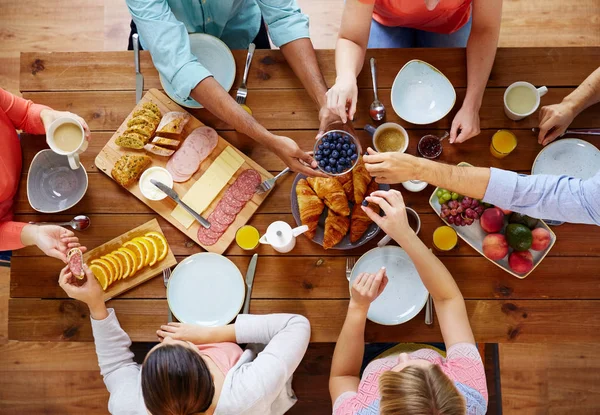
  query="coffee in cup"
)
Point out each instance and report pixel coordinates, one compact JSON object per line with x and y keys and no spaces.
{"x":66,"y":137}
{"x":388,"y":137}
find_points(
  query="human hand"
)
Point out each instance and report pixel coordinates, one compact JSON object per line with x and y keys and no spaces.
{"x":367,"y":287}
{"x":467,"y":121}
{"x":89,"y":291}
{"x":326,"y":117}
{"x":390,"y":167}
{"x":48,"y":116}
{"x":554,"y":121}
{"x":395,"y":221}
{"x":185,"y":332}
{"x":296,"y":159}
{"x":342,"y":95}
{"x":55,"y":241}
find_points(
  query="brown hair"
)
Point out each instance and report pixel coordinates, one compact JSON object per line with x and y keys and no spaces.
{"x":419,"y":391}
{"x":176,"y":381}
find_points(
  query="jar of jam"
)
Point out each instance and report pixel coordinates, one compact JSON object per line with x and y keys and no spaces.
{"x":430,"y":146}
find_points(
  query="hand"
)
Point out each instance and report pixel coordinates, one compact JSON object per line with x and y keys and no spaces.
{"x":326,"y":117}
{"x":467,"y":121}
{"x":366,"y":288}
{"x":554,"y":121}
{"x":48,"y":116}
{"x":395,"y":221}
{"x":296,"y":159}
{"x":89,"y":291}
{"x":53,"y":240}
{"x":391,"y":167}
{"x":342,"y":95}
{"x":185,"y":332}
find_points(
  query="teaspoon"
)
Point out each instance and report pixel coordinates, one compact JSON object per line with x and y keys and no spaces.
{"x":377,"y":110}
{"x":79,"y":223}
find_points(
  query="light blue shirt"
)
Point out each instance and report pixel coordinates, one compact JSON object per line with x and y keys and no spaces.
{"x":561,"y":198}
{"x":164,"y":25}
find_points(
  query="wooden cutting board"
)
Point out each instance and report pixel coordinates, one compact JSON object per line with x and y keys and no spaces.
{"x":143,"y":274}
{"x":108,"y":156}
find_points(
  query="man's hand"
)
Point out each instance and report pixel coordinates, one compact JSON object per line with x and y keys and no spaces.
{"x":296,"y":159}
{"x":48,"y":116}
{"x":366,"y":288}
{"x":53,"y":240}
{"x":467,"y":122}
{"x":395,"y":221}
{"x":342,"y":95}
{"x":390,"y":167}
{"x":554,"y":121}
{"x":326,"y":117}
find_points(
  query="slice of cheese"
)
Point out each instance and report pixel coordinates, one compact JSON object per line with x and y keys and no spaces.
{"x":209,"y":185}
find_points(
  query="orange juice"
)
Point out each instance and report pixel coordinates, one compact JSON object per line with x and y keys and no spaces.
{"x":445,"y":238}
{"x":503,"y":143}
{"x":247,"y":237}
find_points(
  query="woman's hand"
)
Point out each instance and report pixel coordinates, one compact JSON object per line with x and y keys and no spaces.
{"x":395,"y":221}
{"x":344,"y":94}
{"x":296,"y":159}
{"x":185,"y":332}
{"x":53,"y":240}
{"x":366,"y":288}
{"x":326,"y":117}
{"x":390,"y":167}
{"x":48,"y":116}
{"x":554,"y":121}
{"x":87,"y":290}
{"x":467,"y":121}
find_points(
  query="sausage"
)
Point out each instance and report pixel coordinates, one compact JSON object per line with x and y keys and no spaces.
{"x":75,"y":262}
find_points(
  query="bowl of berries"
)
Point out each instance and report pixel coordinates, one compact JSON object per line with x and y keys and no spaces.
{"x":336,"y":152}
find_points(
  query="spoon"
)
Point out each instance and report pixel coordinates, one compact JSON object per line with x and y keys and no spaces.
{"x":79,"y":223}
{"x":377,"y":110}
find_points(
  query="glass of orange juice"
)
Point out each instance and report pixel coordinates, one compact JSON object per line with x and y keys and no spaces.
{"x":503,"y":143}
{"x":445,"y":238}
{"x":247,"y":237}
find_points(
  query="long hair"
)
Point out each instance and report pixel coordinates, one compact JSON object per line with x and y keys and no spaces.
{"x":419,"y":391}
{"x":176,"y":381}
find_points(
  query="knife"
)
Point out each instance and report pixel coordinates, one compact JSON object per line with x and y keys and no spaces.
{"x":173,"y":195}
{"x":249,"y":281}
{"x":139,"y":78}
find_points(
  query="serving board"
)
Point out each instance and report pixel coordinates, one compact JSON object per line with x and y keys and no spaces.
{"x":108,"y":156}
{"x":142,"y":275}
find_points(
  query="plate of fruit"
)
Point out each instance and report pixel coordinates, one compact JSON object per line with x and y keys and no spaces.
{"x":514,"y":242}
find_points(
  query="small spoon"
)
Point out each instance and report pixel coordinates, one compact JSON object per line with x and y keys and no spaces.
{"x":79,"y":223}
{"x":377,"y":110}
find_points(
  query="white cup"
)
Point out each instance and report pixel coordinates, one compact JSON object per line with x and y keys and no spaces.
{"x":376,"y":131}
{"x":73,"y":156}
{"x":539,"y":92}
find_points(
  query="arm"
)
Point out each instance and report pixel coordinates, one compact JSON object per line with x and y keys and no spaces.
{"x":481,"y":51}
{"x":24,"y":114}
{"x":53,"y":240}
{"x":555,"y":119}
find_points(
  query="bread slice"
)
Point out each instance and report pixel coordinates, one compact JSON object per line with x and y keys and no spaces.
{"x":172,"y":124}
{"x":145,"y":129}
{"x":131,"y":140}
{"x":148,"y":114}
{"x":158,"y":150}
{"x":128,"y":169}
{"x":166,"y":142}
{"x":152,"y":107}
{"x":143,"y":119}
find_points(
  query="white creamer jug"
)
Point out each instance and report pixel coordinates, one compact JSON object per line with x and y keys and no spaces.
{"x":281,"y":236}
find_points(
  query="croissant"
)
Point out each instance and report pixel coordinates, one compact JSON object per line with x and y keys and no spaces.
{"x":336,"y":227}
{"x":331,"y":192}
{"x":360,"y":179}
{"x":310,"y":207}
{"x":360,"y":222}
{"x":346,"y":182}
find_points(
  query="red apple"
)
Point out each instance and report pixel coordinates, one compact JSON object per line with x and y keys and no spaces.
{"x":495,"y":246}
{"x":492,"y":220}
{"x":521,"y":262}
{"x":541,"y":239}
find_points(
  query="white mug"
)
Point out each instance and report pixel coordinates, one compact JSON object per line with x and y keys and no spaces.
{"x":73,"y":156}
{"x":376,"y":131}
{"x":539,"y":92}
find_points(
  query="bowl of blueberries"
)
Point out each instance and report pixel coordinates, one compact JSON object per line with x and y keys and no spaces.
{"x":336,"y":152}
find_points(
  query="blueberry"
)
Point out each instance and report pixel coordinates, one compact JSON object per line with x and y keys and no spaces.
{"x":327,"y":145}
{"x":326,"y":152}
{"x":328,"y":169}
{"x":338,"y":146}
{"x":335,"y":154}
{"x":347,"y":140}
{"x":322,"y":162}
{"x":353,"y":147}
{"x":340,"y":169}
{"x":317,"y":157}
{"x":343,"y":153}
{"x":354,"y":156}
{"x":332,"y":161}
{"x":365,"y":203}
{"x":346,"y":146}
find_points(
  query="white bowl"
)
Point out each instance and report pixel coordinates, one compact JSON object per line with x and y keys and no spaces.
{"x":146,"y":178}
{"x":421,"y":94}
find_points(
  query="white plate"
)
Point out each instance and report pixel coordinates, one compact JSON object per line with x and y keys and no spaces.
{"x":570,"y":156}
{"x":405,"y":294}
{"x":421,"y":94}
{"x":215,"y":56}
{"x":206,"y":289}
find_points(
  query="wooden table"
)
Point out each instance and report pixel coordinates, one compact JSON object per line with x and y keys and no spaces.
{"x":558,"y":302}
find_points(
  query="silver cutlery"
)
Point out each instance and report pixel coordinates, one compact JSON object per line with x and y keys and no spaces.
{"x":249,"y":281}
{"x":78,"y":223}
{"x":270,"y":183}
{"x":139,"y":78}
{"x":173,"y":195}
{"x":166,"y":276}
{"x":429,"y":310}
{"x":350,"y":262}
{"x":593,"y":131}
{"x":377,"y":110}
{"x":242,"y":91}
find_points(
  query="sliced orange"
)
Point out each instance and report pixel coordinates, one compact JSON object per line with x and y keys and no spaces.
{"x":126,"y":262}
{"x":149,"y":248}
{"x":100,"y":274}
{"x":139,"y":250}
{"x":153,"y":251}
{"x":133,"y":258}
{"x":117,"y":262}
{"x":111,"y":271}
{"x":163,"y":247}
{"x":116,"y":266}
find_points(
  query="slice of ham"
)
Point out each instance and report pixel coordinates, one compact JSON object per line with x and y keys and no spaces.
{"x":177,"y":177}
{"x":194,"y":150}
{"x":186,"y":160}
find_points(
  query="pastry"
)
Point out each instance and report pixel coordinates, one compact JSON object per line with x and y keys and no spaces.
{"x":360,"y":180}
{"x":158,"y":150}
{"x":166,"y":142}
{"x":131,"y":140}
{"x":336,"y":227}
{"x":359,"y":221}
{"x":129,"y":168}
{"x":331,"y":192}
{"x":346,"y":182}
{"x":310,"y":207}
{"x":172,"y":124}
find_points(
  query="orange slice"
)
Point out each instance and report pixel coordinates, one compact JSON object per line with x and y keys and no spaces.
{"x":132,"y":258}
{"x":110,"y":270}
{"x":154,"y":250}
{"x":163,"y":247}
{"x":139,"y":250}
{"x":100,"y":275}
{"x":116,"y":266}
{"x":149,"y":248}
{"x":125,"y":262}
{"x":117,"y":262}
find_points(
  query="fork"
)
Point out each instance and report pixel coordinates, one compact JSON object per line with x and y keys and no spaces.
{"x":349,"y":265}
{"x":166,"y":276}
{"x":242,"y":91}
{"x":269,"y":183}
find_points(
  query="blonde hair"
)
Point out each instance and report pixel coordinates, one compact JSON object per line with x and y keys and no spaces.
{"x":419,"y":391}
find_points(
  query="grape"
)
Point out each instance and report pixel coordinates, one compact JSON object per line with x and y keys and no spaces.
{"x":460,"y":209}
{"x":479,"y":210}
{"x":451,"y":219}
{"x":444,"y":206}
{"x":444,"y":214}
{"x":439,"y":193}
{"x":469,"y":213}
{"x":453,"y":204}
{"x":476,"y":216}
{"x":467,"y":200}
{"x":474,"y":203}
{"x":445,"y":211}
{"x":455,"y":196}
{"x":453,"y":212}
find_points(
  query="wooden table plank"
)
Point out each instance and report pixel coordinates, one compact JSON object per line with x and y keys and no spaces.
{"x":493,"y":321}
{"x":316,"y":277}
{"x":57,"y":71}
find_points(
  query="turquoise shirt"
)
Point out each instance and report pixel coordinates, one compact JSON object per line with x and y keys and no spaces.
{"x":164,"y":25}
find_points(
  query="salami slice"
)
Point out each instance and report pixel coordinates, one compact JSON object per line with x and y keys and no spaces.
{"x":75,"y":261}
{"x":249,"y":178}
{"x":223,"y":218}
{"x":215,"y":226}
{"x":205,"y":239}
{"x":210,"y":232}
{"x":229,"y":198}
{"x":229,"y":209}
